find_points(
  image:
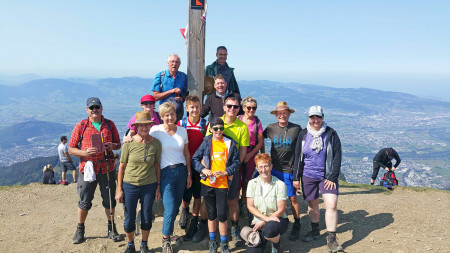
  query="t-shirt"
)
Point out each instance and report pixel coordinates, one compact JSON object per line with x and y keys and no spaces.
{"x":314,"y":162}
{"x":172,"y":146}
{"x":251,"y":130}
{"x":219,"y":155}
{"x":133,"y":119}
{"x":238,"y":131}
{"x":97,"y":125}
{"x":62,"y":148}
{"x":195,"y":135}
{"x":168,"y":83}
{"x":283,"y":141}
{"x":141,"y":158}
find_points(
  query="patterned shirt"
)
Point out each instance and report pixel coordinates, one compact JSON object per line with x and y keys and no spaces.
{"x":108,"y":136}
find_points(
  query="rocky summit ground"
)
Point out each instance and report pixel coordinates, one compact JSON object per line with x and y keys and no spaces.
{"x":42,"y":218}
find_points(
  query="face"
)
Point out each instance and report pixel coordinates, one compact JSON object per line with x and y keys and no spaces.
{"x":144,"y":129}
{"x":283,"y":116}
{"x":148,"y":106}
{"x":222,"y":56}
{"x":231,"y":108}
{"x":316,"y":122}
{"x":250,"y":109}
{"x":193,"y":108}
{"x":95,"y":112}
{"x":173,"y":63}
{"x":264,"y":169}
{"x":220,"y":85}
{"x":170,"y":117}
{"x":217,"y":131}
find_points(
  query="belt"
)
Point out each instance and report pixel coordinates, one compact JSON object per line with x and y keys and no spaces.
{"x":174,"y":166}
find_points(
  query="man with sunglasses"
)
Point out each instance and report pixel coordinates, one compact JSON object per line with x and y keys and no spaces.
{"x":81,"y":145}
{"x":214,"y":102}
{"x":171,"y":85}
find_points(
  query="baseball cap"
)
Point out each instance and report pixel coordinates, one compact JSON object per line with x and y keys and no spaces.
{"x":147,"y":98}
{"x":93,"y":101}
{"x":315,"y":110}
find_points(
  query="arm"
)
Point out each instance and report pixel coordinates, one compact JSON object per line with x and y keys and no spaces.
{"x":198,"y":157}
{"x":233,"y":168}
{"x":298,"y":160}
{"x":335,"y":163}
{"x":68,"y":156}
{"x":158,"y":180}
{"x":187,"y":156}
{"x":119,"y":191}
{"x":242,"y":153}
{"x":115,"y":144}
{"x":206,"y":107}
{"x":257,"y":148}
{"x":397,"y":160}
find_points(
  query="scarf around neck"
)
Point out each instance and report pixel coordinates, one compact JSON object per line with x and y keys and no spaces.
{"x":317,"y":143}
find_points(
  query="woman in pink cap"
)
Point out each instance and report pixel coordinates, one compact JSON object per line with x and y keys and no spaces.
{"x":147,"y":104}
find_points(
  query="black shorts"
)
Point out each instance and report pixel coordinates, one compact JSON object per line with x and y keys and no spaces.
{"x":195,"y":189}
{"x":216,"y":202}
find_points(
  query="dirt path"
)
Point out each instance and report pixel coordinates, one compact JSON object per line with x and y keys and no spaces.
{"x":42,"y":218}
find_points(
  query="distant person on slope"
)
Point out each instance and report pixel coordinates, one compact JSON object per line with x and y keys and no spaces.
{"x":283,"y":136}
{"x":139,"y":179}
{"x":66,"y":161}
{"x":317,"y":165}
{"x":48,"y":176}
{"x":383,"y":160}
{"x":81,"y":145}
{"x":221,"y":67}
{"x":171,"y":85}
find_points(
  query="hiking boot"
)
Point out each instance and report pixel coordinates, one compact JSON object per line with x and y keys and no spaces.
{"x":236,"y":235}
{"x":212,"y":246}
{"x":130,"y":249}
{"x":276,"y":247}
{"x":295,"y":232}
{"x":224,"y":248}
{"x":112,"y":232}
{"x":202,"y":231}
{"x":193,"y":228}
{"x":333,"y":245}
{"x":144,"y":249}
{"x":79,"y":235}
{"x":311,"y":235}
{"x":166,"y":246}
{"x":182,"y":223}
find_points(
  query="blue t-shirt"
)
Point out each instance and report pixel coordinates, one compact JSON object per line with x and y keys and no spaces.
{"x":314,"y":162}
{"x":169,"y":83}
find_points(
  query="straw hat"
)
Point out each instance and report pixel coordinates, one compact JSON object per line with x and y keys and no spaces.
{"x":142,"y":117}
{"x":282,"y":106}
{"x":209,"y":85}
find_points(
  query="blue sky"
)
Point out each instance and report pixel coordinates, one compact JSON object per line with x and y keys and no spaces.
{"x":388,"y":45}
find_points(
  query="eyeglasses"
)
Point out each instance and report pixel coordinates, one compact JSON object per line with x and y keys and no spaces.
{"x":233,"y":106}
{"x":148,"y":103}
{"x":218,"y":128}
{"x":176,"y":62}
{"x":92,"y":107}
{"x":249,"y":108}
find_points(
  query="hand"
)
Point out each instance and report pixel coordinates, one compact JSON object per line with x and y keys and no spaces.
{"x":393,"y":168}
{"x":207,"y":172}
{"x":259,"y":225}
{"x":119,"y":196}
{"x":272,"y":218}
{"x":91,"y":151}
{"x":230,"y":178}
{"x":220,"y":173}
{"x":386,"y":169}
{"x":189,"y":182}
{"x":176,"y":90}
{"x":247,"y":158}
{"x":296,"y":184}
{"x":158,"y":193}
{"x":329,"y":185}
{"x":108,"y":146}
{"x":127,"y":139}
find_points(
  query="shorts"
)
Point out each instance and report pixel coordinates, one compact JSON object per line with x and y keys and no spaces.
{"x":67,"y":166}
{"x":233,"y":187}
{"x":311,"y":186}
{"x":216,"y":202}
{"x":288,"y":181}
{"x":195,"y":189}
{"x":86,"y":190}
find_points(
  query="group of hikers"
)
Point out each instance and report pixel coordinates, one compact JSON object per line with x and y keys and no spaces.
{"x":221,"y":164}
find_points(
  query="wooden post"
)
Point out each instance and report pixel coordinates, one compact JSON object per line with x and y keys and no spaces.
{"x":196,"y":48}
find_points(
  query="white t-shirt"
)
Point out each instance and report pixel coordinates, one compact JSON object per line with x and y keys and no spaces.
{"x":61,"y":150}
{"x":172,"y":146}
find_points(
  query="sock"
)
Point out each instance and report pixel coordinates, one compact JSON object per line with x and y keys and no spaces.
{"x":109,"y":222}
{"x":81,"y":224}
{"x":212,"y":236}
{"x":131,"y":243}
{"x":143,"y":242}
{"x":331,"y":233}
{"x":166,"y":239}
{"x":234,"y":223}
{"x":223,"y":238}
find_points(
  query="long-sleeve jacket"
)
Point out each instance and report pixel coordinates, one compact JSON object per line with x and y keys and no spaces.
{"x":214,"y":106}
{"x":211,"y":70}
{"x":204,"y":153}
{"x":333,"y":155}
{"x":385,"y":155}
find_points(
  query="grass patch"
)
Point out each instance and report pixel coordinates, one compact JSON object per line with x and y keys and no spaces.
{"x":9,"y":187}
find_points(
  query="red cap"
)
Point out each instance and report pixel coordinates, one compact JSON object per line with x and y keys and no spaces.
{"x":147,"y":98}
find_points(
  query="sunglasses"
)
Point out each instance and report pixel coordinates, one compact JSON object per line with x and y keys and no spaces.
{"x":233,"y":106}
{"x":92,"y":107}
{"x":218,"y":128}
{"x":148,"y":103}
{"x":249,"y":108}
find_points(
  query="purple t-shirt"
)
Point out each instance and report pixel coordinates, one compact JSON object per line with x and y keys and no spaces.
{"x":132,"y":120}
{"x":314,"y":162}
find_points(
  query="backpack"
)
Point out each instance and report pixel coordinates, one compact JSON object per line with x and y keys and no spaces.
{"x":202,"y":124}
{"x":389,"y":180}
{"x":83,"y":128}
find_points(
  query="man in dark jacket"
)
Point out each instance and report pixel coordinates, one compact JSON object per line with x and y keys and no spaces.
{"x":383,"y":159}
{"x":220,"y":66}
